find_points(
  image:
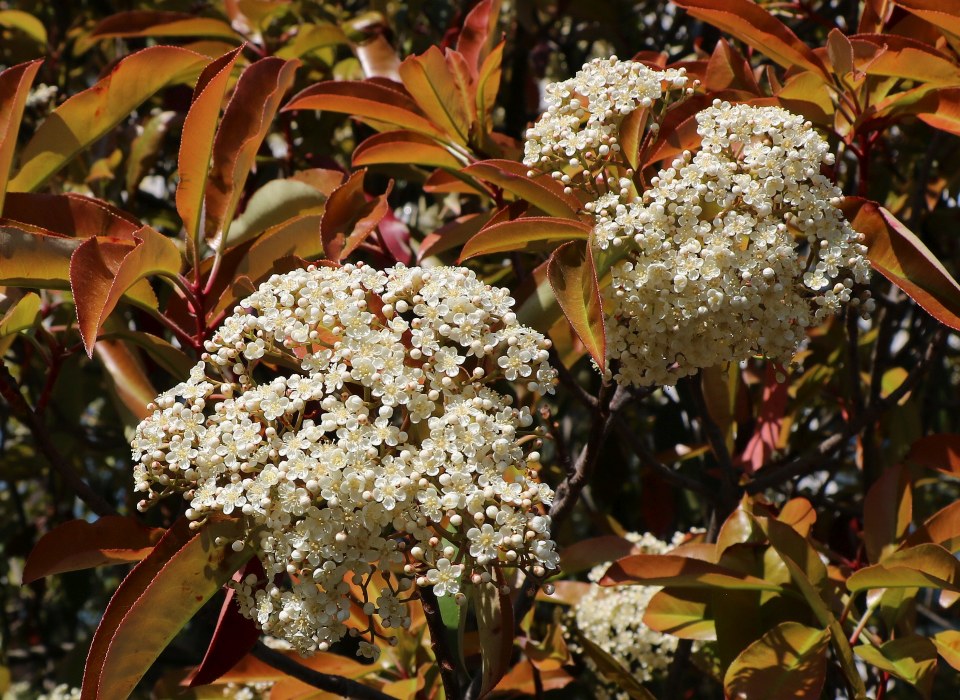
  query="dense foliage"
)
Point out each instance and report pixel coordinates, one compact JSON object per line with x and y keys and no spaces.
{"x":460,"y":358}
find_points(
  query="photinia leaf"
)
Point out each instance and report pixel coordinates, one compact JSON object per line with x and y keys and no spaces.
{"x":277,"y":202}
{"x":902,"y":258}
{"x":789,"y":661}
{"x":887,"y":512}
{"x":26,"y":23}
{"x":441,"y":87}
{"x":156,"y":600}
{"x":753,"y":25}
{"x":102,"y":269}
{"x":488,"y":85}
{"x":948,"y":646}
{"x":407,"y":147}
{"x":615,"y":673}
{"x":69,"y":214}
{"x":21,"y":316}
{"x":172,"y":359}
{"x":727,"y":69}
{"x":78,"y":544}
{"x":912,"y":659}
{"x":90,"y":114}
{"x":543,"y":192}
{"x":940,"y":452}
{"x":587,"y":553}
{"x":941,"y":14}
{"x":478,"y":35}
{"x":452,"y":234}
{"x":349,"y":217}
{"x":378,"y":58}
{"x":246,"y":120}
{"x":384,"y":108}
{"x":902,"y":57}
{"x":520,"y":680}
{"x":156,"y":23}
{"x":145,"y":148}
{"x":233,"y":636}
{"x":799,"y":514}
{"x":526,"y":234}
{"x":196,"y":142}
{"x":311,"y":37}
{"x":128,"y":377}
{"x":943,"y":528}
{"x":573,"y":276}
{"x":15,"y":85}
{"x":495,"y":630}
{"x":921,"y":566}
{"x":682,"y":614}
{"x":675,"y":572}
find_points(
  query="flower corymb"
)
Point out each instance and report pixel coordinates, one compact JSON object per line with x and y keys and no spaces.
{"x":353,"y":418}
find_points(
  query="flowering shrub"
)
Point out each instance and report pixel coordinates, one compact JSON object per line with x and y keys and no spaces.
{"x":385,"y":437}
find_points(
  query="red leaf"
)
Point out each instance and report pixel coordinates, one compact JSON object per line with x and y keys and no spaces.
{"x":155,"y":23}
{"x":887,"y":512}
{"x":69,"y":214}
{"x":940,"y":452}
{"x":15,"y":85}
{"x":441,"y":86}
{"x":349,"y":218}
{"x":77,"y":545}
{"x":245,"y":123}
{"x":766,"y":434}
{"x":395,"y":237}
{"x":233,"y":637}
{"x":543,"y":192}
{"x":477,"y":35}
{"x":407,"y":147}
{"x":573,"y":276}
{"x":902,"y":258}
{"x":526,"y":234}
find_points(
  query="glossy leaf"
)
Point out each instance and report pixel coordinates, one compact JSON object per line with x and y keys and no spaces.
{"x":69,"y":214}
{"x":349,"y":218}
{"x":23,"y":315}
{"x":756,"y":27}
{"x":127,"y":377}
{"x":246,"y":120}
{"x":675,"y":572}
{"x":488,"y":85}
{"x":101,"y":270}
{"x":922,"y":566}
{"x":170,"y":358}
{"x":478,"y":35}
{"x":682,"y":614}
{"x":145,"y":148}
{"x":729,"y":70}
{"x":78,"y":544}
{"x":942,"y":14}
{"x":789,"y":661}
{"x":90,"y":114}
{"x":15,"y":85}
{"x":196,"y":142}
{"x":405,"y":147}
{"x":277,"y":202}
{"x":525,"y":234}
{"x":948,"y":646}
{"x":26,"y":23}
{"x":157,"y":598}
{"x":383,"y":107}
{"x":902,"y":258}
{"x":573,"y":276}
{"x":35,"y":259}
{"x":543,"y":192}
{"x":587,"y":553}
{"x":440,"y":87}
{"x":137,"y":23}
{"x":912,"y":659}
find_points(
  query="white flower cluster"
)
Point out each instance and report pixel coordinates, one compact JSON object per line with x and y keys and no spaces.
{"x":732,"y":251}
{"x":611,"y":617}
{"x":350,"y":416}
{"x":248,"y":691}
{"x":580,"y":128}
{"x":61,"y":692}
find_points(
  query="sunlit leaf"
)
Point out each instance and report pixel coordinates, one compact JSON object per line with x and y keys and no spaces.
{"x":789,"y":661}
{"x":675,"y":572}
{"x":526,"y":234}
{"x":543,"y":192}
{"x":15,"y":85}
{"x":495,"y":629}
{"x":478,"y":35}
{"x":90,"y":114}
{"x":145,"y":148}
{"x":440,"y":86}
{"x":26,"y":23}
{"x":406,"y":147}
{"x":170,"y":358}
{"x":573,"y":276}
{"x":682,"y":614}
{"x":157,"y":598}
{"x":948,"y":646}
{"x":729,"y":70}
{"x":942,"y":14}
{"x":902,"y":258}
{"x":911,"y":658}
{"x":311,"y":37}
{"x":127,"y":377}
{"x":78,"y":544}
{"x":136,"y":23}
{"x":277,"y":202}
{"x":69,"y":214}
{"x":943,"y":528}
{"x":23,"y":315}
{"x":922,"y":566}
{"x":349,"y":217}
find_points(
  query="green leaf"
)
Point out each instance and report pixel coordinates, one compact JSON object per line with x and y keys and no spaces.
{"x":543,"y":192}
{"x":948,"y":646}
{"x":384,"y":108}
{"x":21,"y":316}
{"x":137,"y":23}
{"x":912,"y":659}
{"x":614,"y":672}
{"x":156,"y":600}
{"x":274,"y":204}
{"x":196,"y":142}
{"x":683,"y":614}
{"x":527,"y":234}
{"x":145,"y":148}
{"x":676,"y":572}
{"x":406,"y":147}
{"x":573,"y":276}
{"x":902,"y":258}
{"x":90,"y":114}
{"x":921,"y":566}
{"x":15,"y":85}
{"x":102,"y":270}
{"x":246,"y":121}
{"x":78,"y":544}
{"x":26,"y":23}
{"x":756,"y":27}
{"x":789,"y":661}
{"x":30,"y":259}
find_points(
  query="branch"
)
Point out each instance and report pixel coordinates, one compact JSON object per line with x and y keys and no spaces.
{"x":438,"y":642}
{"x":718,"y":445}
{"x":10,"y":391}
{"x":343,"y":687}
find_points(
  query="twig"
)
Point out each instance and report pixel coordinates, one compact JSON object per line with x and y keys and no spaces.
{"x":718,"y":445}
{"x":438,"y":642}
{"x":649,"y":460}
{"x":11,"y":392}
{"x":344,"y":687}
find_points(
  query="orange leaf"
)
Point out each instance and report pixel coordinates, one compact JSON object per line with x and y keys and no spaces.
{"x":15,"y":85}
{"x":78,"y":544}
{"x":526,"y":234}
{"x":943,"y":14}
{"x":587,"y":553}
{"x":155,"y":601}
{"x":727,"y":69}
{"x":90,"y":114}
{"x":196,"y":142}
{"x":488,"y":85}
{"x":128,"y":377}
{"x":478,"y":34}
{"x":245,"y":123}
{"x":543,"y":192}
{"x":941,"y":452}
{"x":672,"y":571}
{"x":887,"y":512}
{"x":441,"y":86}
{"x":349,"y":218}
{"x":156,"y":23}
{"x":922,"y":566}
{"x":407,"y":147}
{"x":902,"y":258}
{"x":69,"y":214}
{"x":789,"y":661}
{"x":756,"y":27}
{"x":102,"y":269}
{"x":573,"y":276}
